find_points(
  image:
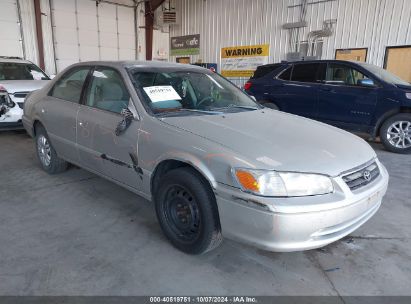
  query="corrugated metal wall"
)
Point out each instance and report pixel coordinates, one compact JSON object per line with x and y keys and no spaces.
{"x":373,"y":24}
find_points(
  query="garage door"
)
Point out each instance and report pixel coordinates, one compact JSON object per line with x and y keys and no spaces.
{"x":10,"y":34}
{"x":398,"y":61}
{"x":83,"y":31}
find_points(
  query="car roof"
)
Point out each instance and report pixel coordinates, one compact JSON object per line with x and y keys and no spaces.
{"x":142,"y":64}
{"x":14,"y":60}
{"x":314,"y":61}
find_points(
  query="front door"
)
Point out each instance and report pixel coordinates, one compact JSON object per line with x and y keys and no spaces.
{"x":343,"y":100}
{"x":100,"y":149}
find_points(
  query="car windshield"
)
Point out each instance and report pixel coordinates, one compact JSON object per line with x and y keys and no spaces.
{"x":190,"y":92}
{"x":21,"y":71}
{"x":384,"y":74}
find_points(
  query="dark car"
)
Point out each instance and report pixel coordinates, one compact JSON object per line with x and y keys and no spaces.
{"x":355,"y":96}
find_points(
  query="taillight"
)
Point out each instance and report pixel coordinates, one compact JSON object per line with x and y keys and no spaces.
{"x":247,"y":85}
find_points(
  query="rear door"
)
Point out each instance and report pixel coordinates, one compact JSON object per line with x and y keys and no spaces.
{"x":100,"y":149}
{"x":343,"y":100}
{"x":59,"y":111}
{"x":296,"y":89}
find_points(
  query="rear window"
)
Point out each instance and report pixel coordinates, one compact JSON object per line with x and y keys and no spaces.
{"x":285,"y":75}
{"x":264,"y":70}
{"x":21,"y":71}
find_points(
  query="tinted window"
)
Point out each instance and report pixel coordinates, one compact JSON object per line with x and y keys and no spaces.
{"x":21,"y":71}
{"x":343,"y":74}
{"x":286,"y":74}
{"x":264,"y":70}
{"x":107,"y":91}
{"x":70,"y":85}
{"x":308,"y":72}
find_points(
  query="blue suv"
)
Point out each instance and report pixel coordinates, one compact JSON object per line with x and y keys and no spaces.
{"x":355,"y":96}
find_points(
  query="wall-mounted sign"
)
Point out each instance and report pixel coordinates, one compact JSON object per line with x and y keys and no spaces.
{"x":242,"y":61}
{"x":211,"y":66}
{"x":185,"y":45}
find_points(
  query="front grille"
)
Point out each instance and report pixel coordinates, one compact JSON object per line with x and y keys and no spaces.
{"x":362,"y":177}
{"x":21,"y":105}
{"x":20,"y":94}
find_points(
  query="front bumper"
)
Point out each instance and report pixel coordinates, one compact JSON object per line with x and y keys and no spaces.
{"x":11,"y":120}
{"x":301,"y":223}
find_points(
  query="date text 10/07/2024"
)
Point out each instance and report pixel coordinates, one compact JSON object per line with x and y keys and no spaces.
{"x":203,"y":299}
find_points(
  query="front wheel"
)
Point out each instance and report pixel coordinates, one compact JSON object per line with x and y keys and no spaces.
{"x":396,"y":133}
{"x":187,"y":211}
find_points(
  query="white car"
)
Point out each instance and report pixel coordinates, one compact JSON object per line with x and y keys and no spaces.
{"x":18,"y":78}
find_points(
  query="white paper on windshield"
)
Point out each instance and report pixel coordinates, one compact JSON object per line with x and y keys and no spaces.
{"x":161,"y":93}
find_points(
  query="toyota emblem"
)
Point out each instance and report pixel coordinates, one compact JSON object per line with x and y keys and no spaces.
{"x":367,"y":175}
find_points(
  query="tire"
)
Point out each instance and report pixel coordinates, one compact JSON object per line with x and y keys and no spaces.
{"x":270,"y":105}
{"x":46,"y":154}
{"x":187,"y":211}
{"x":395,"y":133}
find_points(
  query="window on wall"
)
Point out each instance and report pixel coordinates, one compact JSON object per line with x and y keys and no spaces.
{"x":352,"y":54}
{"x":398,"y":61}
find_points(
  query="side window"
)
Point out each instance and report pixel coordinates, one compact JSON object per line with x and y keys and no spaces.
{"x":286,"y":75}
{"x":306,"y":72}
{"x":107,"y":91}
{"x":70,"y":85}
{"x":343,"y":74}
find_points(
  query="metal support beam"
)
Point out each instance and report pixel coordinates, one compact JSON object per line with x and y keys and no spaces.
{"x":150,"y":6}
{"x":39,"y":32}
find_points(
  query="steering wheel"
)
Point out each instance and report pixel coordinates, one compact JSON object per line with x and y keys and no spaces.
{"x":205,"y":99}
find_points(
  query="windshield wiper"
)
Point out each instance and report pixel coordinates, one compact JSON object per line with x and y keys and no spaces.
{"x":209,"y":112}
{"x":233,"y":106}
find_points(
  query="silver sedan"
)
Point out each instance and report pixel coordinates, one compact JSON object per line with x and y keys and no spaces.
{"x":213,"y":161}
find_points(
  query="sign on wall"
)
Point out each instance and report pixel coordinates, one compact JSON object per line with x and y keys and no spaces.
{"x":242,"y":61}
{"x":185,"y":45}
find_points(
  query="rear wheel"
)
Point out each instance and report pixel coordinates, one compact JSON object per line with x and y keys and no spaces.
{"x":396,"y":133}
{"x":46,"y":154}
{"x":187,"y":211}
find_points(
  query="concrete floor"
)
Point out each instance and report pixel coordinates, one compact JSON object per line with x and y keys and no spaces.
{"x":78,"y":234}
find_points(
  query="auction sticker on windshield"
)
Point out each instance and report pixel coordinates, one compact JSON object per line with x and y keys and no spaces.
{"x":161,"y":93}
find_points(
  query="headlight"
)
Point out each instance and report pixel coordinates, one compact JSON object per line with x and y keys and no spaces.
{"x":408,"y":95}
{"x":283,"y":184}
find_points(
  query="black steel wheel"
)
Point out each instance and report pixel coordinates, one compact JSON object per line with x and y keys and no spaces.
{"x":182,"y":213}
{"x":187,"y":211}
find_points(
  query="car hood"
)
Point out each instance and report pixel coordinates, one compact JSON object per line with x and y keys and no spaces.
{"x":13,"y":86}
{"x":280,"y":141}
{"x":404,"y":87}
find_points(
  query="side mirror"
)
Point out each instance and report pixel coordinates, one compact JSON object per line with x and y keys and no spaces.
{"x":366,"y":82}
{"x":125,"y":122}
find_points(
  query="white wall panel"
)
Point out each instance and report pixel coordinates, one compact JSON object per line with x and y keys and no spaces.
{"x":28,"y":27}
{"x":373,"y":24}
{"x":49,"y":56}
{"x":84,"y":31}
{"x":10,"y":31}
